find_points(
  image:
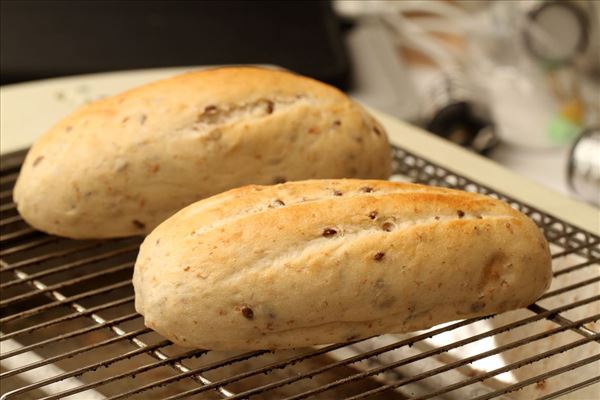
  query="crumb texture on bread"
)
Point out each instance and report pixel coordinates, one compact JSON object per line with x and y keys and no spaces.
{"x":325,"y":261}
{"x":121,"y":165}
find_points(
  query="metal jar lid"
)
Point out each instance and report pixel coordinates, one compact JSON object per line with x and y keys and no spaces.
{"x":583,"y":173}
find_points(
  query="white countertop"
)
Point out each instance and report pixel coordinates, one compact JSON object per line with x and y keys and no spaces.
{"x":29,"y":109}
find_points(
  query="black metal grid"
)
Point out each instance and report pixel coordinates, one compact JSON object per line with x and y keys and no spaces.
{"x":69,"y":304}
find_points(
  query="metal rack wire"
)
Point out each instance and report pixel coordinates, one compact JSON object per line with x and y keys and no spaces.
{"x":69,"y":328}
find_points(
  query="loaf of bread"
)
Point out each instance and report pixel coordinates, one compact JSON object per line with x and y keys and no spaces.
{"x":120,"y":166}
{"x":323,"y":261}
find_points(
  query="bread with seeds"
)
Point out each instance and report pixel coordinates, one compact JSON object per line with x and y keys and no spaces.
{"x":121,"y":165}
{"x":323,"y":261}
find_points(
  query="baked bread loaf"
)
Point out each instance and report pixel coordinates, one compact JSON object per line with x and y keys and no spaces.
{"x":121,"y":165}
{"x":323,"y":261}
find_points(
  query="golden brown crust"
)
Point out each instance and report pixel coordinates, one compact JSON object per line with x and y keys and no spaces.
{"x":325,"y":261}
{"x":121,"y":165}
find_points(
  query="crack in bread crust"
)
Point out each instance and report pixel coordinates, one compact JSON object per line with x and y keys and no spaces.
{"x":274,"y":199}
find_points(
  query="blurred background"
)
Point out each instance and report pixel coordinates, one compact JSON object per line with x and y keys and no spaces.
{"x":518,"y":82}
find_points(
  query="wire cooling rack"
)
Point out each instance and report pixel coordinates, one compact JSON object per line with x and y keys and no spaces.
{"x":69,"y":328}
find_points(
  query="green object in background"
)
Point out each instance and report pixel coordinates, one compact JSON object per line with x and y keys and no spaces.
{"x":562,"y":131}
